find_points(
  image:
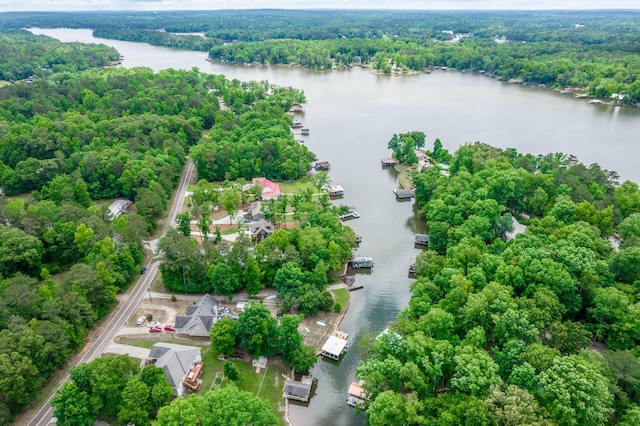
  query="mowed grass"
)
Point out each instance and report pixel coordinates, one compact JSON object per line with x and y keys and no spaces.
{"x":342,"y":297}
{"x":268,"y":384}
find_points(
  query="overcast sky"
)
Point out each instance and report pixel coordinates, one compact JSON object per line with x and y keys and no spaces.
{"x":43,"y":5}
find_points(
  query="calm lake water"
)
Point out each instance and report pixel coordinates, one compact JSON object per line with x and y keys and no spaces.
{"x":353,"y":113}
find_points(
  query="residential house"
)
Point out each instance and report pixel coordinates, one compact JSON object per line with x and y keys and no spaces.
{"x":255,"y":211}
{"x":181,"y":364}
{"x":270,"y":190}
{"x":118,"y":208}
{"x":199,"y":317}
{"x":261,"y":229}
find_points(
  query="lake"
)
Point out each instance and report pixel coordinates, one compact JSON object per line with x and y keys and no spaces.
{"x":352,"y":114}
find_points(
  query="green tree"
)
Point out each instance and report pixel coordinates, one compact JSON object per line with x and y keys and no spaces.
{"x":575,"y":392}
{"x":223,"y":336}
{"x":135,"y":407}
{"x":230,"y":200}
{"x":252,"y":277}
{"x":256,"y":330}
{"x":184,"y":224}
{"x":475,"y":371}
{"x":72,"y":406}
{"x":230,"y":371}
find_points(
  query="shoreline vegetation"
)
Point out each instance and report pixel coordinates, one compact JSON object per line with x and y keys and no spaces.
{"x":595,"y":50}
{"x":502,"y":319}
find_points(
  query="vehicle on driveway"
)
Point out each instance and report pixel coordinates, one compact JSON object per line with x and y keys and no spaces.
{"x":141,"y":320}
{"x":169,"y":328}
{"x":153,"y":324}
{"x":155,"y":330}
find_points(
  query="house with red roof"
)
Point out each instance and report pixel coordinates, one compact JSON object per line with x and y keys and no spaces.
{"x":270,"y":190}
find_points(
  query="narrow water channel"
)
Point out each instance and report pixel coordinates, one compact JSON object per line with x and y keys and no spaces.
{"x":353,"y":113}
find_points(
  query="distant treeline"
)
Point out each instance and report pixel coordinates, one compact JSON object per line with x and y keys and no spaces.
{"x":597,"y":51}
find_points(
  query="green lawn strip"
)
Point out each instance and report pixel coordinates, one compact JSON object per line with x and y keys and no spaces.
{"x":342,"y":297}
{"x":295,"y":187}
{"x":405,"y":180}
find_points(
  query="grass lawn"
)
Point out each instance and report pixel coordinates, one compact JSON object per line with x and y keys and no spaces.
{"x":342,"y":297}
{"x":266,"y":385}
{"x":405,"y":180}
{"x":295,"y":187}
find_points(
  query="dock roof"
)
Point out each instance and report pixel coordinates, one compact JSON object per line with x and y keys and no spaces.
{"x":334,"y":346}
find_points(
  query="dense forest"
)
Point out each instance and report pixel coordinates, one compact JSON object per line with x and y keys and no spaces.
{"x":69,"y":140}
{"x":26,"y":55}
{"x":537,"y":328}
{"x":594,"y":51}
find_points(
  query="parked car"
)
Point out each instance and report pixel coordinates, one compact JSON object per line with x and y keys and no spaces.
{"x":141,"y":320}
{"x":153,"y":324}
{"x":155,"y":330}
{"x":169,"y":328}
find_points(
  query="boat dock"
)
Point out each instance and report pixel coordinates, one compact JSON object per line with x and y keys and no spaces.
{"x":402,"y":194}
{"x":361,"y":262}
{"x":412,"y":265}
{"x":388,"y":162}
{"x":422,"y":239}
{"x":350,"y":215}
{"x":356,"y":395}
{"x":304,"y":132}
{"x":355,"y":287}
{"x":336,"y":191}
{"x":335,"y":345}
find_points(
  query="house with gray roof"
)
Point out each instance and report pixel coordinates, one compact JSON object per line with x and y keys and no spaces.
{"x":199,"y":317}
{"x":261,"y":229}
{"x":178,"y":362}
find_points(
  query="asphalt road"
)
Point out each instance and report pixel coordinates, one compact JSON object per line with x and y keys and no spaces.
{"x":45,"y":415}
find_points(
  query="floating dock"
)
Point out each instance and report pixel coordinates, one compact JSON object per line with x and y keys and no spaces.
{"x":422,"y":239}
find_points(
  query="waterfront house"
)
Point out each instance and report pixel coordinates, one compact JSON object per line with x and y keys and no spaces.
{"x":270,"y":190}
{"x":182,"y":365}
{"x":199,"y":317}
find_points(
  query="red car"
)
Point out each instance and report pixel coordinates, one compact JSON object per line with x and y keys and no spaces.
{"x":169,"y":328}
{"x":155,"y":330}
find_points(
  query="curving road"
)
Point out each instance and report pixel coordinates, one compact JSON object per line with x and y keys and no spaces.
{"x":45,"y":415}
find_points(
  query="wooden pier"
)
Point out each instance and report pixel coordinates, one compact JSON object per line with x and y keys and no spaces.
{"x":355,"y":287}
